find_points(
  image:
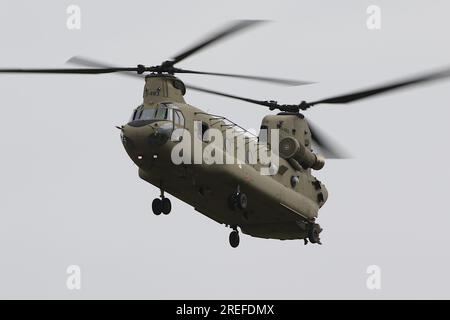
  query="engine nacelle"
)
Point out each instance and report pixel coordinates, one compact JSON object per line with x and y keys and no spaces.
{"x":290,"y":148}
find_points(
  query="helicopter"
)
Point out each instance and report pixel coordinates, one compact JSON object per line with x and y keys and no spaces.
{"x":283,"y":204}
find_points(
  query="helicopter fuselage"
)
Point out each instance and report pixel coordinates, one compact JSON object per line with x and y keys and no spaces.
{"x":277,"y":207}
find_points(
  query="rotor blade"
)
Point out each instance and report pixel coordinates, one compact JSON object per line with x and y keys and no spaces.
{"x":288,"y":82}
{"x":262,"y":103}
{"x":70,"y":71}
{"x":220,"y":35}
{"x":88,"y":62}
{"x":357,"y":95}
{"x":329,"y":148}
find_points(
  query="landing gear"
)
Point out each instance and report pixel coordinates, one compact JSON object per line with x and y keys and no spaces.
{"x":313,"y":234}
{"x":238,"y":199}
{"x":162,"y":205}
{"x":234,"y":238}
{"x":242,"y":201}
{"x":157,"y":206}
{"x":166,"y":205}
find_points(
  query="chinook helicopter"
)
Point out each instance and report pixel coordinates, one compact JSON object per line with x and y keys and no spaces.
{"x":283,"y":205}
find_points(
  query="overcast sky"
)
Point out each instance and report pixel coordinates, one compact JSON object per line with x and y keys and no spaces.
{"x":71,"y":196}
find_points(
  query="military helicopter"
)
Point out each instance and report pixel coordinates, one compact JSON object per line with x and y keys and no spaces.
{"x":283,"y":205}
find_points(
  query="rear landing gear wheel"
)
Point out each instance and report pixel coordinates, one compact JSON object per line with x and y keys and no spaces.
{"x":234,"y":238}
{"x":166,"y":206}
{"x":238,"y":200}
{"x":157,"y":206}
{"x":242,"y":201}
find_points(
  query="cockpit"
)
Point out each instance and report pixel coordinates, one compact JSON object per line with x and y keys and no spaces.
{"x":160,"y":112}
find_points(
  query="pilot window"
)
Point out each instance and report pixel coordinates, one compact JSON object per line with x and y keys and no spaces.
{"x":163,"y":113}
{"x":159,"y":113}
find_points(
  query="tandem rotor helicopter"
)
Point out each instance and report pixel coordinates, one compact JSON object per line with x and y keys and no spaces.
{"x":282,"y":206}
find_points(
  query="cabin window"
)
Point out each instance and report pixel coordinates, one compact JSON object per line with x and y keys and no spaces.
{"x":263,"y":133}
{"x":205,"y":128}
{"x":202,"y":131}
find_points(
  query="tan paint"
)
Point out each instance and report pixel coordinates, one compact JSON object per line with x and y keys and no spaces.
{"x":275,"y":208}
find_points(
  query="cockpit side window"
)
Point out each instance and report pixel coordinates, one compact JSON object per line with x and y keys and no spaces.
{"x":178,"y":118}
{"x":133,"y":115}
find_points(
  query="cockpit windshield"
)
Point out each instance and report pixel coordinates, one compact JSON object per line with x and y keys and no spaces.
{"x":160,"y":112}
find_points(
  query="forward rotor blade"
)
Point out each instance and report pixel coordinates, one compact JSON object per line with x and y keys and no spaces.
{"x":70,"y":71}
{"x":262,"y":103}
{"x":88,"y":62}
{"x":357,"y":95}
{"x":288,"y":82}
{"x":220,"y":35}
{"x":329,"y":148}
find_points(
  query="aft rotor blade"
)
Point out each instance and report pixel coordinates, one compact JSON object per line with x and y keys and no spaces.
{"x":327,"y":146}
{"x":262,"y":103}
{"x":220,"y":35}
{"x":288,"y":82}
{"x":358,"y":95}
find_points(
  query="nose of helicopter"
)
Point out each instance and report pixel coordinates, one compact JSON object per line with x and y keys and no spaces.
{"x":142,"y":138}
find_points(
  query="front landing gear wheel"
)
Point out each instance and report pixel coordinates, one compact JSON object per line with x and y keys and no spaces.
{"x":314,"y":233}
{"x":157,"y":206}
{"x":166,"y":206}
{"x":234,"y":238}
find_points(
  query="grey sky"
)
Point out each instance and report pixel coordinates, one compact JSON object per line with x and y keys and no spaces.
{"x":70,"y":195}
